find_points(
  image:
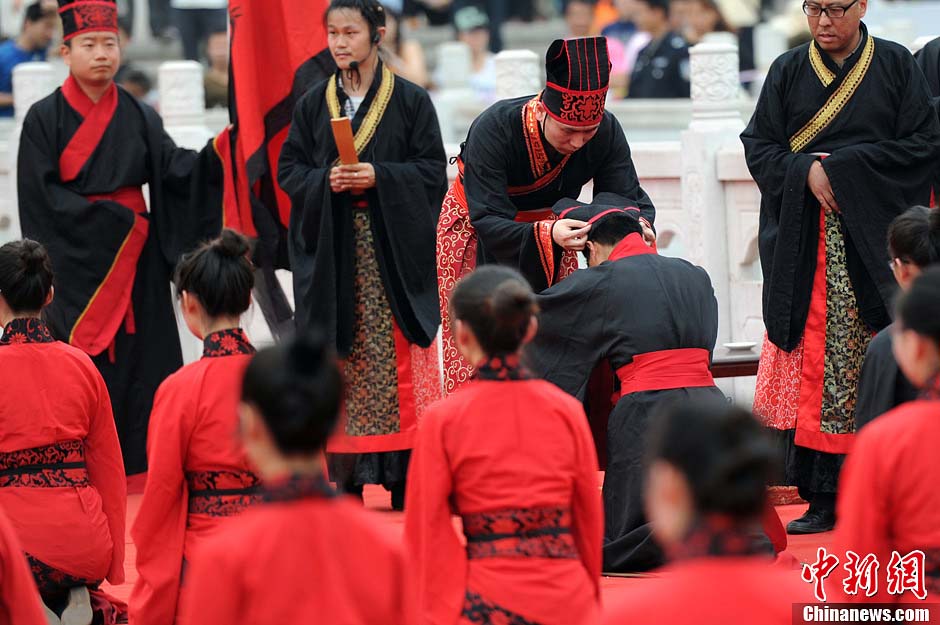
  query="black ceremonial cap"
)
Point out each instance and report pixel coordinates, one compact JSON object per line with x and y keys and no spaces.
{"x":577,"y":75}
{"x":604,"y":205}
{"x":86,"y":16}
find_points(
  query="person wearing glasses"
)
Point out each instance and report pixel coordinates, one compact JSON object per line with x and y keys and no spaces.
{"x":843,"y":139}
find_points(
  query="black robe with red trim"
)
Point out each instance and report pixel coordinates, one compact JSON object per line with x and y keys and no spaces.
{"x":93,"y":243}
{"x":499,"y":160}
{"x":615,"y":312}
{"x":884,"y":145}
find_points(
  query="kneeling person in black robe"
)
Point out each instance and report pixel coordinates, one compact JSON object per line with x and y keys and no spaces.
{"x":655,"y":320}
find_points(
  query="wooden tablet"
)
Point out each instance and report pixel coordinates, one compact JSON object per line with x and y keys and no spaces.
{"x":343,"y":135}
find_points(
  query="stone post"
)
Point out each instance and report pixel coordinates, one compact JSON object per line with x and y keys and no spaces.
{"x":716,"y":122}
{"x":31,"y":83}
{"x":518,"y":73}
{"x":453,"y":63}
{"x":183,"y":103}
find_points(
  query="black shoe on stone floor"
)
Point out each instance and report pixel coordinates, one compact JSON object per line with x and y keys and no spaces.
{"x":813,"y":522}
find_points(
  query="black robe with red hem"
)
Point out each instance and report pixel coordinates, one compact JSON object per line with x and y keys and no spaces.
{"x":79,"y":181}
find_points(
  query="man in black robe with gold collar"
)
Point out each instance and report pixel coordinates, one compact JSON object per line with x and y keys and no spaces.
{"x":521,"y":156}
{"x":843,"y":139}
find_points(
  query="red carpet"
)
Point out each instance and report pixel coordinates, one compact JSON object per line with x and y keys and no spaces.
{"x":803,"y":548}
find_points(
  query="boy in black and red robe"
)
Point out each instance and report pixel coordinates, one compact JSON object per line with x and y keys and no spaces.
{"x":520,"y":157}
{"x":654,"y":319}
{"x":86,"y":152}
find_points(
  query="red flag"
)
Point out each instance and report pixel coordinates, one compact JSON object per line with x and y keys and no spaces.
{"x":278,"y":51}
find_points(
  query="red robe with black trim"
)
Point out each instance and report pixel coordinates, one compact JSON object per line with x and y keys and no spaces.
{"x":498,"y":453}
{"x":303,"y":556}
{"x":60,"y":398}
{"x":19,"y":599}
{"x":192,"y":444}
{"x":712,"y":591}
{"x":888,"y":499}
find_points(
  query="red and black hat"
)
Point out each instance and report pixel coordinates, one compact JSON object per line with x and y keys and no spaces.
{"x":577,"y":73}
{"x":603,"y":206}
{"x":86,"y":16}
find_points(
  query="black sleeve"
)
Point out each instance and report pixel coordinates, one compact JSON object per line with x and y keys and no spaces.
{"x":571,"y":338}
{"x":767,"y":147}
{"x":486,"y":163}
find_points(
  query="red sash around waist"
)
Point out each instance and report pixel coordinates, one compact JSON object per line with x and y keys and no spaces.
{"x":664,"y":370}
{"x":96,"y":327}
{"x":50,"y":466}
{"x":520,"y":533}
{"x":131,"y":197}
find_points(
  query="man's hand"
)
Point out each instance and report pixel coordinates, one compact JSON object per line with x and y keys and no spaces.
{"x":819,"y":186}
{"x":355,"y":178}
{"x":571,"y":234}
{"x":649,"y":236}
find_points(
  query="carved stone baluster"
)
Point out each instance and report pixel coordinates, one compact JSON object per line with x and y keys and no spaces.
{"x":31,"y":83}
{"x":716,"y":122}
{"x":518,"y":73}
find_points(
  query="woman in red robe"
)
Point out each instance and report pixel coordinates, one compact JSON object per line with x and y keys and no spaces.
{"x":514,"y":458}
{"x":199,"y":475}
{"x":888,"y":504}
{"x":705,"y":495}
{"x":19,"y":600}
{"x":62,"y":481}
{"x":301,"y":555}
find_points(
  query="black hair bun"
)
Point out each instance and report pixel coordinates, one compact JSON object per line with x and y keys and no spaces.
{"x":232,"y":244}
{"x":33,"y":256}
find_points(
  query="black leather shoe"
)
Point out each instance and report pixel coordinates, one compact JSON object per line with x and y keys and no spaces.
{"x":813,"y":522}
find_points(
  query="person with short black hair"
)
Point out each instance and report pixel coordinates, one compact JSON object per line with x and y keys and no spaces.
{"x":39,"y":23}
{"x":198,"y":474}
{"x":62,"y":483}
{"x":513,"y":456}
{"x":662,"y":67}
{"x":913,"y":243}
{"x":302,"y":553}
{"x":656,"y":334}
{"x":843,"y":140}
{"x":889,"y":505}
{"x":707,"y":466}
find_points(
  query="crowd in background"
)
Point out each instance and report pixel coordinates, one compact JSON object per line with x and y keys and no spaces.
{"x":648,"y":39}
